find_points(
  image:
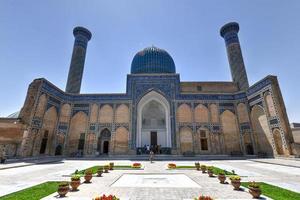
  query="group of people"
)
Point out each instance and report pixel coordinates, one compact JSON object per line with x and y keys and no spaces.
{"x":156,"y":149}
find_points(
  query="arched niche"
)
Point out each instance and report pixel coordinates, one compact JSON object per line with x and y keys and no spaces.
{"x":157,"y":128}
{"x":261,"y":131}
{"x":121,"y":141}
{"x":48,"y":128}
{"x":106,"y":114}
{"x":186,"y":140}
{"x":278,"y":141}
{"x":231,"y":132}
{"x":184,"y":113}
{"x":122,"y":114}
{"x":77,"y":131}
{"x":41,"y":106}
{"x":201,"y":114}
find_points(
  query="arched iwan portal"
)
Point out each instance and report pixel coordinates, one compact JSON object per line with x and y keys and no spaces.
{"x":153,"y":121}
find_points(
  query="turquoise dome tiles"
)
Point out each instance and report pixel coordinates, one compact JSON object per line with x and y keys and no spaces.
{"x":152,"y":60}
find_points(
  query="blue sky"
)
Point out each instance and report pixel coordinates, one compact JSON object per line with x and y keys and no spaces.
{"x":36,"y":41}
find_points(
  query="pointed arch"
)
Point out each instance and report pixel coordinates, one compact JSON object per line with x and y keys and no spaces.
{"x":163,"y":132}
{"x":121,"y":141}
{"x":278,"y":141}
{"x":122,"y":114}
{"x":41,"y":107}
{"x":48,"y":128}
{"x":106,"y":114}
{"x":186,"y":140}
{"x":201,"y":114}
{"x":231,"y":132}
{"x":184,"y":113}
{"x":77,"y":131}
{"x":261,"y":131}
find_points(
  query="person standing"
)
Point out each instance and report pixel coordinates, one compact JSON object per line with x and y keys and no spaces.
{"x":151,"y":157}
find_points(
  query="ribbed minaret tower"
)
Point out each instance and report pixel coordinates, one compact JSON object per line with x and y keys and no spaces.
{"x":82,"y":36}
{"x":238,"y":71}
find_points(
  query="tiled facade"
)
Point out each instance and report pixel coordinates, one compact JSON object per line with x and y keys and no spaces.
{"x":201,"y":117}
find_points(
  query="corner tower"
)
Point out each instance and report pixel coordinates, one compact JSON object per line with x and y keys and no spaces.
{"x":238,"y":71}
{"x":82,"y":36}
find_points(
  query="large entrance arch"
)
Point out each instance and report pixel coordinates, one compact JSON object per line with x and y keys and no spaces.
{"x":153,"y":121}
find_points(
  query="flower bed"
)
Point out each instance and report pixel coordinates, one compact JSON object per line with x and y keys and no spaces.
{"x":94,"y":169}
{"x":104,"y":197}
{"x":203,"y":198}
{"x":172,"y":166}
{"x":136,"y":165}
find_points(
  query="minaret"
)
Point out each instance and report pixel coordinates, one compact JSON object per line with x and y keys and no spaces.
{"x":238,"y":71}
{"x":82,"y":36}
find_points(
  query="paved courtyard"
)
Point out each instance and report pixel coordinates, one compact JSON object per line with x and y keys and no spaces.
{"x":272,"y":171}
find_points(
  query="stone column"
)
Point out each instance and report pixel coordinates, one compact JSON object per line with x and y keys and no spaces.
{"x":238,"y":71}
{"x":82,"y":36}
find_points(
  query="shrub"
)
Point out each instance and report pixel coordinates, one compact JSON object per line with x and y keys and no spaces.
{"x":235,"y":178}
{"x":221,"y":173}
{"x":75,"y":177}
{"x":171,"y":166}
{"x":63,"y":184}
{"x":88,"y":172}
{"x":253,"y":184}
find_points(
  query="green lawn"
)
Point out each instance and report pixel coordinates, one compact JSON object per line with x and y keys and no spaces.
{"x":33,"y":193}
{"x":216,"y":170}
{"x":276,"y":193}
{"x":116,"y":167}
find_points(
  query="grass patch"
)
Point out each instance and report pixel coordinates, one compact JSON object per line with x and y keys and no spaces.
{"x":33,"y":193}
{"x":275,"y":192}
{"x":185,"y":167}
{"x":116,"y":167}
{"x":216,"y":170}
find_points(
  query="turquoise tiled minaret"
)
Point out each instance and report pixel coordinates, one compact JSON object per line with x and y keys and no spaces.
{"x":82,"y":36}
{"x":238,"y":71}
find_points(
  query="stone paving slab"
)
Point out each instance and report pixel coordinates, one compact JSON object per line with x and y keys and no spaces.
{"x":207,"y":186}
{"x":15,"y":179}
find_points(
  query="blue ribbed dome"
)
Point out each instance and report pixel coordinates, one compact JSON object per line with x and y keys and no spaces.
{"x":152,"y":60}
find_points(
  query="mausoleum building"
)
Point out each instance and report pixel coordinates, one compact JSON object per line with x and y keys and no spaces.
{"x":157,"y":109}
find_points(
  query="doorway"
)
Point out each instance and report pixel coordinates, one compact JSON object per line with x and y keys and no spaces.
{"x":249,"y":149}
{"x":105,"y":147}
{"x":58,"y":150}
{"x":44,"y":142}
{"x":153,"y":138}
